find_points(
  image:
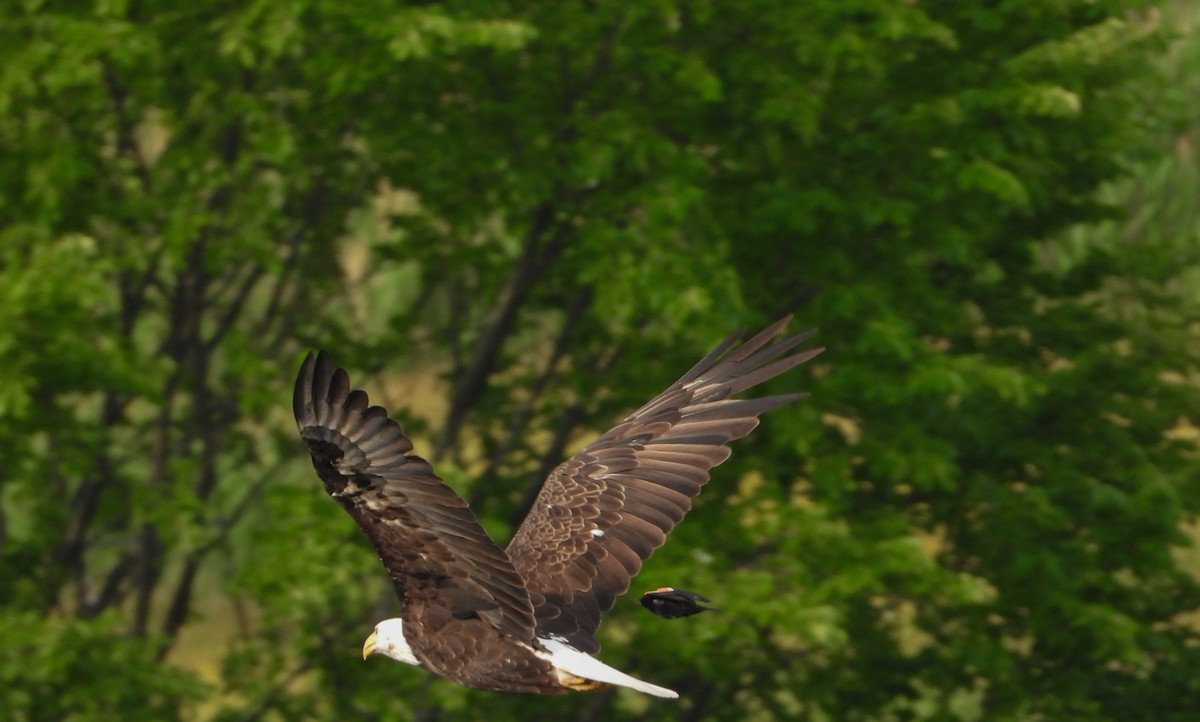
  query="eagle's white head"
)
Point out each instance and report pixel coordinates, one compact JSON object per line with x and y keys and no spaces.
{"x":388,"y":640}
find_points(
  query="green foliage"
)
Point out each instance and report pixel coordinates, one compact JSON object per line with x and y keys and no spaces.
{"x":539,"y":214}
{"x":67,"y":670}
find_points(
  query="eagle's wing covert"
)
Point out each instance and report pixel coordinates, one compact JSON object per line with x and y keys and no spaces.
{"x":602,"y":513}
{"x":427,"y":537}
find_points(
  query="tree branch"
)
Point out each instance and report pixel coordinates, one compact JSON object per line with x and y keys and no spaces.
{"x":69,"y":558}
{"x":177,"y":612}
{"x":268,"y":700}
{"x":124,"y":124}
{"x":234,"y":309}
{"x":520,"y":419}
{"x":571,"y":418}
{"x":113,"y":589}
{"x":541,"y":249}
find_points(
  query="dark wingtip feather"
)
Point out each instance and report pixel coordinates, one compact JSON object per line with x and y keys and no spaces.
{"x":758,"y":341}
{"x":711,"y":357}
{"x":321,"y":376}
{"x":300,"y":393}
{"x":771,"y":370}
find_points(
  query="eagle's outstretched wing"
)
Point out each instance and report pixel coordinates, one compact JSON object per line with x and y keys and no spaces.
{"x":443,"y":564}
{"x":603,"y":512}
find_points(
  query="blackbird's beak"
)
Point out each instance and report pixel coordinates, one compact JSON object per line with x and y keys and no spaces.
{"x":369,"y":645}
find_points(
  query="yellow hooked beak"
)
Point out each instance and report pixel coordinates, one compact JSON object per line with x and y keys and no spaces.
{"x":369,"y":645}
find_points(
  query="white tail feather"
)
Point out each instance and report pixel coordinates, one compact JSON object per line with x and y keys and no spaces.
{"x":567,"y":659}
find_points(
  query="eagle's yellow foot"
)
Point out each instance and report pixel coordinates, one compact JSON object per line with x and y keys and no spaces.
{"x":580,"y":684}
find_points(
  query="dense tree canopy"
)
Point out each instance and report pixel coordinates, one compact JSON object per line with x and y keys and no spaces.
{"x":517,"y":221}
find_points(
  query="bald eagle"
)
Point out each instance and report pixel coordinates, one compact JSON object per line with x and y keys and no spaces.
{"x":523,"y":618}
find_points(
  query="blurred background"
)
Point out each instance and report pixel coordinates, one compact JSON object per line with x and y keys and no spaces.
{"x":516,"y":222}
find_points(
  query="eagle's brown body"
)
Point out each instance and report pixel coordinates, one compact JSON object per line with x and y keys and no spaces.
{"x":484,"y":616}
{"x":479,"y":656}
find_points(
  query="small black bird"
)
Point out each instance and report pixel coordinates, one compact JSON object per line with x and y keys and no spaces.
{"x":670,"y":603}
